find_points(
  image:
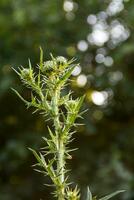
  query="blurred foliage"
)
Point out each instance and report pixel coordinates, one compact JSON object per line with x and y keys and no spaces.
{"x":99,"y":33}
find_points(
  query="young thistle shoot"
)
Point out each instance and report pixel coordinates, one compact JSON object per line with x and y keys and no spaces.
{"x":46,"y":86}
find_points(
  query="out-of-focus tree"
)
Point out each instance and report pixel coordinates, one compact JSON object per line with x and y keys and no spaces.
{"x":99,"y":33}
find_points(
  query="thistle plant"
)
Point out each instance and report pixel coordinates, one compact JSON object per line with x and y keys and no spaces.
{"x":46,"y":85}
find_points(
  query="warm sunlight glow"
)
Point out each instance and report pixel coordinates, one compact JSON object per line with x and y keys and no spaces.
{"x":99,"y":98}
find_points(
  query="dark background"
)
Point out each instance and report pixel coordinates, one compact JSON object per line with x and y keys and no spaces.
{"x":99,"y":33}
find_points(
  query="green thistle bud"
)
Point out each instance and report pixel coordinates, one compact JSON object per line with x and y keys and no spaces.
{"x":70,"y":105}
{"x":26,"y":73}
{"x":61,"y":61}
{"x":73,"y":194}
{"x":48,"y":66}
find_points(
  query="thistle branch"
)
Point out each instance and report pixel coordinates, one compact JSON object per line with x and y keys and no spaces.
{"x":46,"y":86}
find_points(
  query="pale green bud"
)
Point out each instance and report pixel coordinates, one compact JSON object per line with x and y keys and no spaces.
{"x":73,"y":194}
{"x":26,"y":73}
{"x":48,"y":66}
{"x":60,"y":60}
{"x":71,"y":105}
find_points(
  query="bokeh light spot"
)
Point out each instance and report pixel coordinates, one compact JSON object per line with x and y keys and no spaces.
{"x":91,"y":19}
{"x":108,"y":61}
{"x":99,"y":58}
{"x":81,"y":80}
{"x":115,"y":7}
{"x":70,"y":16}
{"x":68,"y":6}
{"x":99,"y":98}
{"x":98,"y":114}
{"x":115,"y":77}
{"x":82,"y":45}
{"x":76,"y":71}
{"x":98,"y":37}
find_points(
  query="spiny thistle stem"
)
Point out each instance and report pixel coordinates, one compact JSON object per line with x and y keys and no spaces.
{"x":60,"y":145}
{"x":46,"y":86}
{"x":60,"y":168}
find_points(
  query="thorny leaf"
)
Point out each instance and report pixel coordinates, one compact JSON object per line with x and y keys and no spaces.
{"x":112,"y":195}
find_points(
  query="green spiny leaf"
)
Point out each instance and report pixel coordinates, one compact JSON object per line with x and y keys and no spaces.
{"x":17,"y":93}
{"x":41,"y":59}
{"x":51,"y":134}
{"x":81,"y":99}
{"x":112,"y":195}
{"x":67,"y":74}
{"x":36,"y":156}
{"x":30,"y":65}
{"x":16,"y":71}
{"x":89,"y":194}
{"x":43,"y":160}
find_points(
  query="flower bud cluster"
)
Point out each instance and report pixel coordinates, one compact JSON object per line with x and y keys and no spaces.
{"x":48,"y":66}
{"x":54,"y":66}
{"x":61,"y":61}
{"x":27,"y":74}
{"x":73,"y":194}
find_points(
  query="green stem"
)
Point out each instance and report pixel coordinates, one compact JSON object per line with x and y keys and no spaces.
{"x":60,"y":147}
{"x":60,"y":168}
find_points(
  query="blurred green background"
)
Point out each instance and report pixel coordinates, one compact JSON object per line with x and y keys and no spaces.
{"x":99,"y":33}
